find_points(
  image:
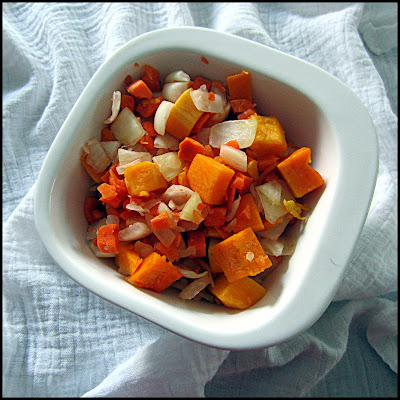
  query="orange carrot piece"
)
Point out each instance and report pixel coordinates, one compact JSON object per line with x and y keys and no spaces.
{"x":231,"y":196}
{"x":147,"y":108}
{"x":218,"y":86}
{"x":199,"y":80}
{"x":198,"y":240}
{"x":208,"y":151}
{"x":188,"y":149}
{"x":140,"y":90}
{"x":91,"y":211}
{"x":246,"y":114}
{"x":239,"y":86}
{"x":155,"y":273}
{"x":127,"y":258}
{"x":233,"y":143}
{"x":127,"y":101}
{"x":198,"y":126}
{"x":161,"y":221}
{"x":247,"y":215}
{"x":147,"y":142}
{"x":109,"y":195}
{"x":241,"y":105}
{"x":209,"y":178}
{"x":241,"y":182}
{"x":106,"y":135}
{"x":217,"y":217}
{"x":172,"y":251}
{"x":151,"y":78}
{"x":298,"y":174}
{"x":148,"y":126}
{"x":107,"y":238}
{"x":267,"y":162}
{"x":128,"y":80}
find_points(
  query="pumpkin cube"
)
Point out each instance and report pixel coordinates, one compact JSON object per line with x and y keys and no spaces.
{"x":127,"y":258}
{"x":144,"y":177}
{"x":183,"y":116}
{"x":239,"y":255}
{"x":240,"y":294}
{"x":155,"y":273}
{"x":247,"y":215}
{"x":270,"y":137}
{"x":298,"y":174}
{"x":209,"y":178}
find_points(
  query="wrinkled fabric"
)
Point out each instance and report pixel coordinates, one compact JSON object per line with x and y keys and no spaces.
{"x":61,"y":340}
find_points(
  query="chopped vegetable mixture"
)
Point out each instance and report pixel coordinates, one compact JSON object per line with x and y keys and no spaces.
{"x":193,"y":188}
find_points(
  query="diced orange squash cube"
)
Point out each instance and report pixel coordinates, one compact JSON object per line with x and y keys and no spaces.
{"x":155,"y":273}
{"x":127,"y":258}
{"x":209,"y":178}
{"x":270,"y":137}
{"x":298,"y":174}
{"x":240,"y":294}
{"x":144,"y":177}
{"x":239,"y":86}
{"x":183,"y":116}
{"x":239,"y":255}
{"x":251,"y":218}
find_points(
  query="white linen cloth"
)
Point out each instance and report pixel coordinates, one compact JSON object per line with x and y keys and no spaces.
{"x":61,"y":340}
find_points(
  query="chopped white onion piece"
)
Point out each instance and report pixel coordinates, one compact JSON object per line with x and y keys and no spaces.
{"x":142,"y":249}
{"x":272,"y":190}
{"x":161,"y":116}
{"x":220,"y":117}
{"x":215,"y":89}
{"x":112,"y":219}
{"x":202,"y":101}
{"x":169,"y":164}
{"x":271,"y":247}
{"x":99,"y":253}
{"x":233,"y":210}
{"x":188,"y":225}
{"x":190,"y":207}
{"x":277,"y":230}
{"x":111,"y":149}
{"x":172,"y":91}
{"x":97,"y":158}
{"x":93,"y":228}
{"x":195,"y":287}
{"x":127,"y":156}
{"x":231,"y":226}
{"x":243,"y":131}
{"x":166,"y":141}
{"x":179,"y":194}
{"x":177,"y":76}
{"x":127,"y":128}
{"x":187,"y":273}
{"x":204,"y":136}
{"x":115,"y":107}
{"x":234,"y":157}
{"x":138,"y":230}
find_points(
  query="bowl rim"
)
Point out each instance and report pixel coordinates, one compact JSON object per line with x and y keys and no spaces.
{"x":280,"y":68}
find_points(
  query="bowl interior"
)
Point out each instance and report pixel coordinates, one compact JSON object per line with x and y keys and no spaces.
{"x":304,"y":124}
{"x":279,"y":314}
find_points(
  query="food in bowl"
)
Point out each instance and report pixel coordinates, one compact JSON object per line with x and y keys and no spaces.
{"x":194,"y":189}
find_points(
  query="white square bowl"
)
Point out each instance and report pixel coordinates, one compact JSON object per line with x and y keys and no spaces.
{"x":315,"y":109}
